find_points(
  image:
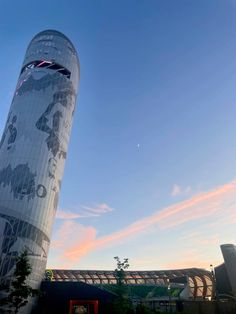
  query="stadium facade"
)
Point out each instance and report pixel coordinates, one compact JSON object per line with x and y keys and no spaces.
{"x":198,"y":283}
{"x":33,"y":150}
{"x":92,"y":291}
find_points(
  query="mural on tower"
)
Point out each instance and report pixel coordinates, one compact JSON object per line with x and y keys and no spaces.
{"x":33,"y":150}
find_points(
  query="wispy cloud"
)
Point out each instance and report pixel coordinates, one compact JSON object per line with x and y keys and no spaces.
{"x":188,"y":259}
{"x":178,"y":190}
{"x":201,"y":206}
{"x":69,"y":235}
{"x":84,"y":212}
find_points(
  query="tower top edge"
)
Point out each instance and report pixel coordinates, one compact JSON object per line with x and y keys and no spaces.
{"x":227,"y":245}
{"x":57,"y":33}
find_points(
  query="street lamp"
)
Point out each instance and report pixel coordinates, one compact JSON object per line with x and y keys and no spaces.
{"x":169,"y":294}
{"x":214,"y":288}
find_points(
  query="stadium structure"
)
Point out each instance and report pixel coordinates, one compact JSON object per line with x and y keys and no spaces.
{"x":198,"y":282}
{"x":92,"y":291}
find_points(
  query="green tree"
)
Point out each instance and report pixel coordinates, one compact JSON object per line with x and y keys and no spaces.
{"x":120,"y":270}
{"x":19,"y":291}
{"x":122,"y":304}
{"x":48,"y":274}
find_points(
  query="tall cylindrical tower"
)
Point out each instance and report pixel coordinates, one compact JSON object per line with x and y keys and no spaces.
{"x":33,"y":150}
{"x":229,"y":255}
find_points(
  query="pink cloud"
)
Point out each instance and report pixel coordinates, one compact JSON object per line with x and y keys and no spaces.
{"x":99,"y":209}
{"x":213,"y":240}
{"x":207,"y":204}
{"x":84,"y":212}
{"x":189,"y":259}
{"x":69,"y":235}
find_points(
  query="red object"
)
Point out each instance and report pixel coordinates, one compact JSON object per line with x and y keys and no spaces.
{"x":91,"y":305}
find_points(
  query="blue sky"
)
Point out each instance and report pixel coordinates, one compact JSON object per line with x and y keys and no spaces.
{"x":150,"y":173}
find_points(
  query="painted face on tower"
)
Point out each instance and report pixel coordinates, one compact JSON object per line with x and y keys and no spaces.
{"x":52,"y":167}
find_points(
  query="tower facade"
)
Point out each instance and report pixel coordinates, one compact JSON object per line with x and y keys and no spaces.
{"x":229,"y":255}
{"x":33,"y":150}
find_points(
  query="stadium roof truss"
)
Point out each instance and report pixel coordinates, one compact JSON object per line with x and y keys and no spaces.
{"x":200,"y":281}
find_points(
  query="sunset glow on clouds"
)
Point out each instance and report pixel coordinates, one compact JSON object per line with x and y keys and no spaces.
{"x":84,"y":212}
{"x":74,"y":241}
{"x":152,"y":157}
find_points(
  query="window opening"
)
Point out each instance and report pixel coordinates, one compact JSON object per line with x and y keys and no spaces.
{"x":47,"y":64}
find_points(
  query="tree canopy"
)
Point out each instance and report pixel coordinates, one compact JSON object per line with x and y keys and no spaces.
{"x":19,"y":291}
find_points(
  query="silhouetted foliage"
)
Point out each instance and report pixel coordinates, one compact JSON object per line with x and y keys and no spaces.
{"x":142,"y":309}
{"x":19,"y":291}
{"x":120,"y":269}
{"x":48,"y":274}
{"x":122,"y":304}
